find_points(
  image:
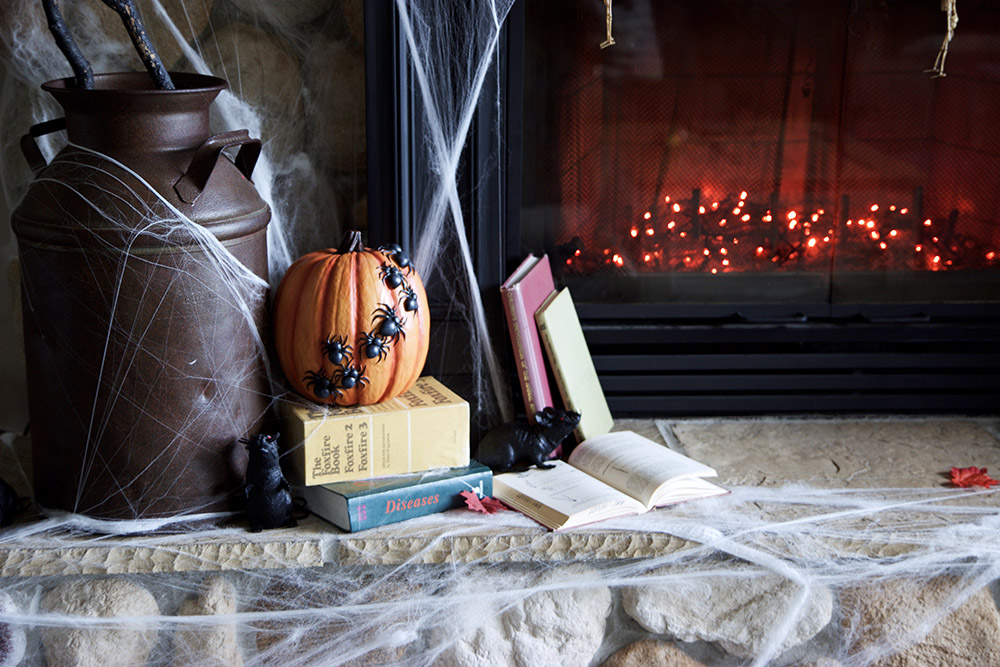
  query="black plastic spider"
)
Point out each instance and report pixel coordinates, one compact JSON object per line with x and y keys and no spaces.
{"x":337,"y":350}
{"x":392,"y":276}
{"x":395,"y":252}
{"x":373,"y":345}
{"x":321,"y":385}
{"x":348,"y":378}
{"x":410,"y":301}
{"x":390,"y":323}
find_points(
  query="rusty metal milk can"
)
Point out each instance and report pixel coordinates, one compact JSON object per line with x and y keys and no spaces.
{"x":144,"y":362}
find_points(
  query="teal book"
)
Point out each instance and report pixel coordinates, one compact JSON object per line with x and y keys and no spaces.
{"x":367,"y":503}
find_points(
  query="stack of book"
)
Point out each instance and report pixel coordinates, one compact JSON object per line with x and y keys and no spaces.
{"x":370,"y":465}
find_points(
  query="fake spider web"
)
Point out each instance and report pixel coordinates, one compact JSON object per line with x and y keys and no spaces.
{"x":816,"y":550}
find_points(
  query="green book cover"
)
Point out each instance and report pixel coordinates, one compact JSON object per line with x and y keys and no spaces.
{"x":366,"y":503}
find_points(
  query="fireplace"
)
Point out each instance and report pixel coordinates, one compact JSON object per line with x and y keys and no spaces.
{"x":759,"y":207}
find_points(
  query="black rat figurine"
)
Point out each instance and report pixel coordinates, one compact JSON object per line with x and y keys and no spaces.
{"x":9,"y":503}
{"x":518,"y":445}
{"x":268,"y":496}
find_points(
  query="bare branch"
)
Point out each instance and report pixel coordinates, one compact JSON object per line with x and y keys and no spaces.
{"x":64,"y":40}
{"x":140,"y":39}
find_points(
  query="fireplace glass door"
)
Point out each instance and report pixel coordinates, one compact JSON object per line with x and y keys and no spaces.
{"x":729,"y":155}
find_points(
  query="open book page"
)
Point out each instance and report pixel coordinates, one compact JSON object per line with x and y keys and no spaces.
{"x":563,"y":496}
{"x":636,"y":465}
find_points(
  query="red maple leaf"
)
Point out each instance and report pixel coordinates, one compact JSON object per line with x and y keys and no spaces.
{"x":971,"y":476}
{"x":486,"y":505}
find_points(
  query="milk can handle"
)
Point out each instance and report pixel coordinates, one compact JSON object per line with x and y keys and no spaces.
{"x":29,"y":147}
{"x":190,"y":186}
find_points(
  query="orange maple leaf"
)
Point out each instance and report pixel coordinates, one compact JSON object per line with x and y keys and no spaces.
{"x":485,"y":505}
{"x":971,"y":476}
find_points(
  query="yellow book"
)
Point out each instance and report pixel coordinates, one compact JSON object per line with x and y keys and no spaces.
{"x":425,"y":428}
{"x":561,"y":334}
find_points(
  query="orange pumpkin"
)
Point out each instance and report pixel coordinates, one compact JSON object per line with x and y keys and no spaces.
{"x":351,"y":324}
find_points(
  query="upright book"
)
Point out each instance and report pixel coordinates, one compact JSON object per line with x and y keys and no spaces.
{"x":362,"y":504}
{"x":523,"y":292}
{"x":572,"y":365}
{"x":612,"y":475}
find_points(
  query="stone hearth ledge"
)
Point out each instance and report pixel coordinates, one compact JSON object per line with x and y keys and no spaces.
{"x":749,"y":453}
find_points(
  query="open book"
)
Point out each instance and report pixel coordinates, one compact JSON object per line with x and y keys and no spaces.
{"x":611,"y":475}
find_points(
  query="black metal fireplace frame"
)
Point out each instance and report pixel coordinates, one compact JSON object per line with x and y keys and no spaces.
{"x":670,"y":359}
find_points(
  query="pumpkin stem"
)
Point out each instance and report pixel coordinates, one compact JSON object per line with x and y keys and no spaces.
{"x":351,"y":242}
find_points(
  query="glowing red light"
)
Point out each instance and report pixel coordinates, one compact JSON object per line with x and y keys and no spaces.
{"x":706,"y":252}
{"x":683,"y":234}
{"x":634,"y":232}
{"x":725,"y":262}
{"x":927,"y":222}
{"x":874,"y":207}
{"x":767,"y":218}
{"x":618,"y":259}
{"x":893,"y":233}
{"x":904,"y":211}
{"x":569,"y":261}
{"x":701,"y":209}
{"x":647,"y":257}
{"x":882,"y":245}
{"x":647,"y":215}
{"x":736,"y":211}
{"x":812,"y":243}
{"x":743,"y":195}
{"x":746,"y":217}
{"x":715,"y":270}
{"x":723,"y":251}
{"x":874,"y":236}
{"x":577,"y":252}
{"x":792,"y":215}
{"x":677,"y":208}
{"x":649,"y":231}
{"x":671,"y":224}
{"x":991,"y":255}
{"x":760,"y":250}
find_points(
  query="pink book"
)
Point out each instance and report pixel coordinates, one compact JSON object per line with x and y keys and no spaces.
{"x":523,"y":293}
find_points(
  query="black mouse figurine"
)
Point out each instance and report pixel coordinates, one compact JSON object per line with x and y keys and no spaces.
{"x":9,"y":503}
{"x":519,"y":445}
{"x":268,"y":496}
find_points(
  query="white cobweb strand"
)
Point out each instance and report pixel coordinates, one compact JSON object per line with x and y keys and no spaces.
{"x":448,"y":116}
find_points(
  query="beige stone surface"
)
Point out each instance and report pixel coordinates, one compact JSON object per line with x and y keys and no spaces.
{"x":209,"y":644}
{"x":838,"y":453}
{"x":560,"y":621}
{"x":651,"y":652}
{"x":737,"y":611}
{"x":905,"y":623}
{"x":99,"y":645}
